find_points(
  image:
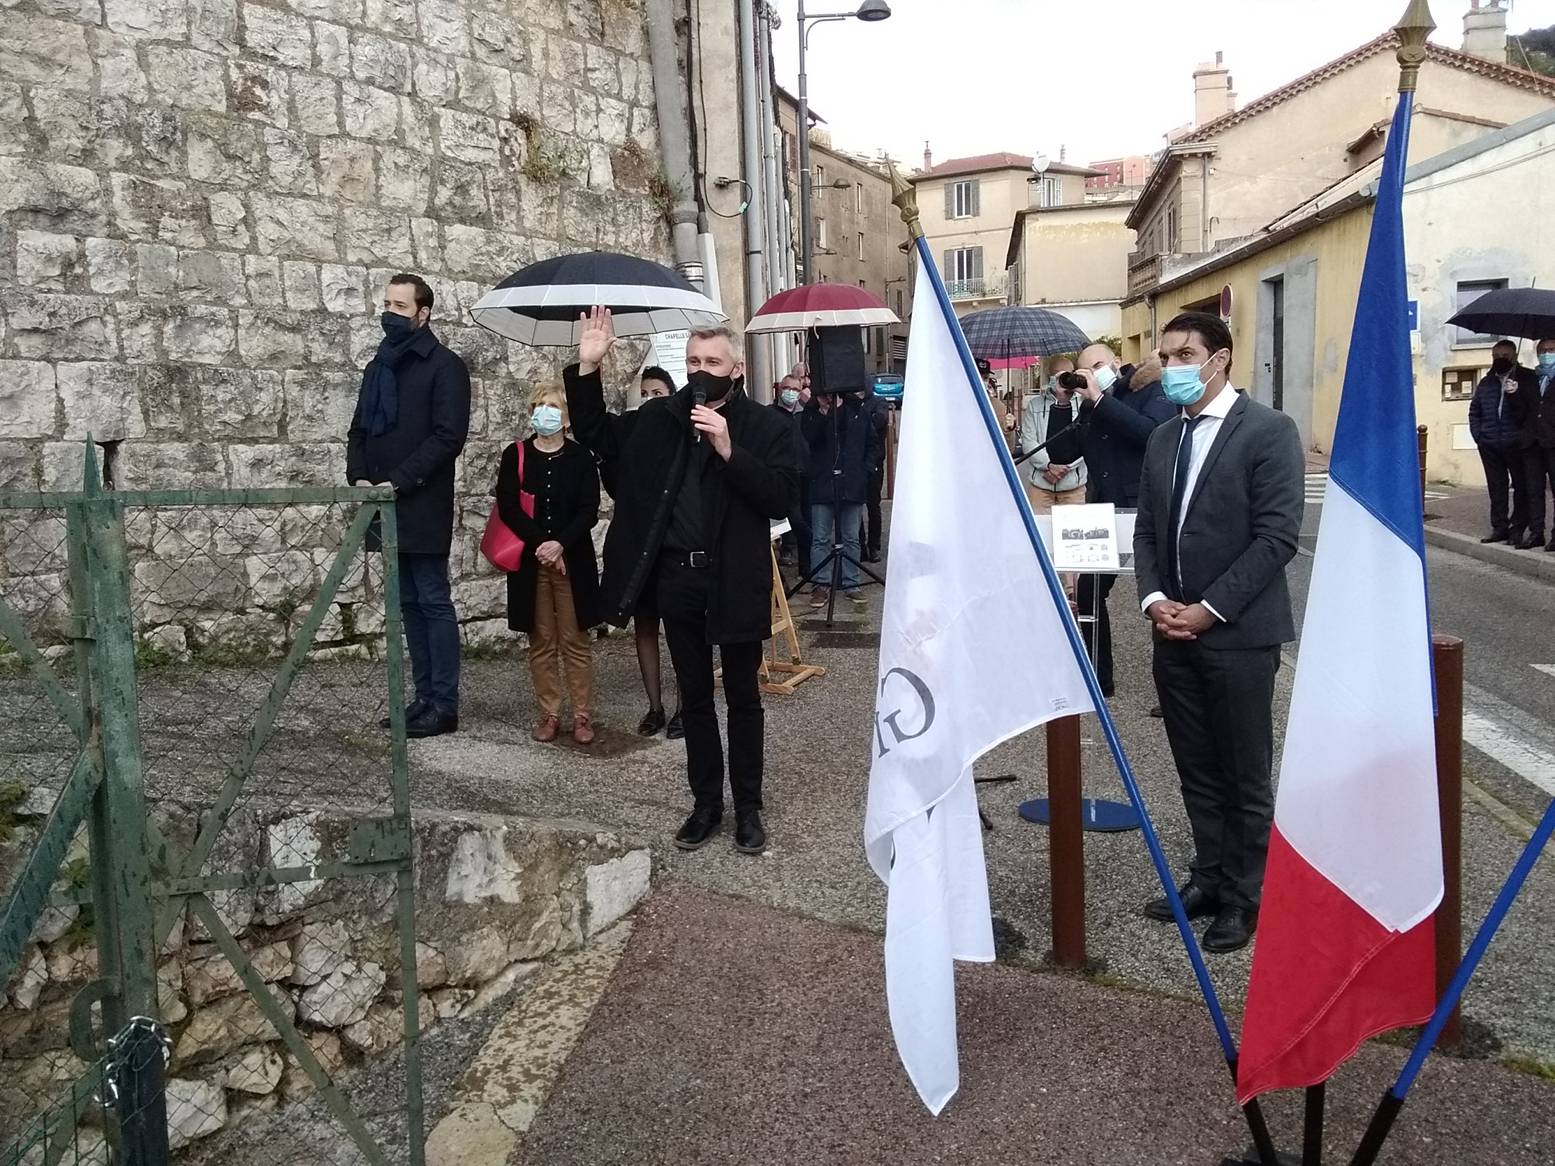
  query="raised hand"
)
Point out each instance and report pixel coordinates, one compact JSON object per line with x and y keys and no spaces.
{"x":598,"y":335}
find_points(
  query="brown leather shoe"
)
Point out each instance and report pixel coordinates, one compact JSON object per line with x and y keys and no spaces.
{"x":547,"y":729}
{"x":582,"y":729}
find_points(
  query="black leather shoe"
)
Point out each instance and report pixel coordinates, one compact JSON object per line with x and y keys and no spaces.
{"x":872,"y":557}
{"x":652,"y":722}
{"x":699,"y":829}
{"x":431,"y":723}
{"x":750,"y":836}
{"x":1155,"y":711}
{"x":1232,"y":930}
{"x":1196,"y":901}
{"x":413,"y":710}
{"x":1495,"y":536}
{"x":674,"y":730}
{"x":1551,"y":546}
{"x":1532,"y":543}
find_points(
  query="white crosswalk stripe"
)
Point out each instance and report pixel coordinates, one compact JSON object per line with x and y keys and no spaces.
{"x":1316,"y":484}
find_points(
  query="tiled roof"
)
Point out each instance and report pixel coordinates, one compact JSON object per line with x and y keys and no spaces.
{"x":1388,"y":41}
{"x":1001,"y":161}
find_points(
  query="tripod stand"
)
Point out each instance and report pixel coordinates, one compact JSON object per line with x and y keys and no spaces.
{"x":838,"y":553}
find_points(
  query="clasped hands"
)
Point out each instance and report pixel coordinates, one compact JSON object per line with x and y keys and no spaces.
{"x":1179,"y":621}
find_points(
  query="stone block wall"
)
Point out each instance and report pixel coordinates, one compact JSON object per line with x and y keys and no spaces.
{"x":495,"y":897}
{"x":201,"y":200}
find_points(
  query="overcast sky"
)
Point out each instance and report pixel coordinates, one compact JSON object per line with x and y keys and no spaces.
{"x":1102,"y":77}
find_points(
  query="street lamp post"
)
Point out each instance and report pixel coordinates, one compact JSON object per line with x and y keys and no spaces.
{"x":869,"y":11}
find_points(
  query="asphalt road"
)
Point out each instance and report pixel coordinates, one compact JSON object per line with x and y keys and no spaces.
{"x":1507,"y":623}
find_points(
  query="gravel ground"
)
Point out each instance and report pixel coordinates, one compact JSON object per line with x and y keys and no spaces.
{"x":817,"y":775}
{"x":713,"y":1045}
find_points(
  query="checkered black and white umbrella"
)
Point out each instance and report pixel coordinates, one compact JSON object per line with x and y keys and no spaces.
{"x":541,"y":304}
{"x":1007,"y":333}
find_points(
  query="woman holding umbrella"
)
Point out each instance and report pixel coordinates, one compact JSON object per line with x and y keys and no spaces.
{"x":554,"y":595}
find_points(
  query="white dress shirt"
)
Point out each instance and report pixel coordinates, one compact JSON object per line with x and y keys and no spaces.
{"x":1203,"y":437}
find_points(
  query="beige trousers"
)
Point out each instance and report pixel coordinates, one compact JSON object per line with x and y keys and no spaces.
{"x":557,"y":644}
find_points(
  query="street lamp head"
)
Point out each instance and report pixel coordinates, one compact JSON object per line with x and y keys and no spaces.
{"x":873,"y":10}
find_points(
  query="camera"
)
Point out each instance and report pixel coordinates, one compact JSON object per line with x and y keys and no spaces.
{"x":1072,"y":381}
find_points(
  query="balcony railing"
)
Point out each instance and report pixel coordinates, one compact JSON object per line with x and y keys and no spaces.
{"x":1144,"y":272}
{"x":975,"y":289}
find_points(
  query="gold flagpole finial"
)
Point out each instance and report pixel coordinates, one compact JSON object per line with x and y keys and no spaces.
{"x":905,"y":198}
{"x":1413,"y":30}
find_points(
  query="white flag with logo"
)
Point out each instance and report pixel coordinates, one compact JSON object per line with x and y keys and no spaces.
{"x":973,"y":651}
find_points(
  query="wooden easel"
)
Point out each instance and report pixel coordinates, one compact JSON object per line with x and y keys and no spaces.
{"x":794,"y":668}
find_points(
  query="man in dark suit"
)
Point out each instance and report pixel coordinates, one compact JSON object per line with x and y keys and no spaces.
{"x":1220,"y":504}
{"x":695,"y":532}
{"x":1120,"y":408}
{"x":412,"y":418}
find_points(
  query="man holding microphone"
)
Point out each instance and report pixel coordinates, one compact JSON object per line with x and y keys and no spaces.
{"x":703,"y":473}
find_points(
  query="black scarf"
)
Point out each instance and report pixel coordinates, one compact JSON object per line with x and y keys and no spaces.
{"x":380,"y":385}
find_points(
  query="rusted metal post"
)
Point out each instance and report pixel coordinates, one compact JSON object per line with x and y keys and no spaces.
{"x":1066,"y":842}
{"x":1447,"y":655}
{"x":1424,"y":435}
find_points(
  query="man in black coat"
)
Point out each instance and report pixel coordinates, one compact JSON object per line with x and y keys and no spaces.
{"x":1120,"y":409}
{"x":843,"y":452}
{"x":1499,"y":416}
{"x":789,"y":402}
{"x":707,"y":481}
{"x":412,"y":418}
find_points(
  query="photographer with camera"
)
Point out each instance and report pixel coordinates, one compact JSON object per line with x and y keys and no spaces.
{"x":1120,"y":408}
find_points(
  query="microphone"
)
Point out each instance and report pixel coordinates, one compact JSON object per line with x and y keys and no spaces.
{"x":698,"y":397}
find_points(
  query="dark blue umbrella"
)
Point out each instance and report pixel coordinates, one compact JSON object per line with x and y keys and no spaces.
{"x":1528,"y":312}
{"x":1010,"y":332}
{"x":541,"y":304}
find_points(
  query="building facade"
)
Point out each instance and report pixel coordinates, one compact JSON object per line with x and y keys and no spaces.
{"x":966,"y":206}
{"x":1293,"y":290}
{"x":1227,"y":178}
{"x":858,"y":230}
{"x":1073,"y":258}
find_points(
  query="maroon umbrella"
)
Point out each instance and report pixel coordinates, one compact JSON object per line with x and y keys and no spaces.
{"x":821,"y":305}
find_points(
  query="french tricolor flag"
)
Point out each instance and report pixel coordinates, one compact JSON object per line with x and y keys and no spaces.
{"x":1345,"y":941}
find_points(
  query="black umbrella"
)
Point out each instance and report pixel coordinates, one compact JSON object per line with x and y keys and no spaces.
{"x":1528,"y":312}
{"x":541,"y":304}
{"x":1010,"y":332}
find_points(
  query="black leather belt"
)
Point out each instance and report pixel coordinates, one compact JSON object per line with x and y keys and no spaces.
{"x":697,"y":560}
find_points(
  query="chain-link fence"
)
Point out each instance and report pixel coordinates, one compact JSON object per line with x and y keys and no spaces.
{"x":259,"y":634}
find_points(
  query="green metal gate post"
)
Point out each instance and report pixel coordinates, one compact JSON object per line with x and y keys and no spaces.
{"x":121,"y":870}
{"x":405,"y":880}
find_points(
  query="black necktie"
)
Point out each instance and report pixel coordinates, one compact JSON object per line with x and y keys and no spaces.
{"x":1179,"y":500}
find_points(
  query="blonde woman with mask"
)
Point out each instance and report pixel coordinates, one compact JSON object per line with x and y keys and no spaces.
{"x":554,"y":595}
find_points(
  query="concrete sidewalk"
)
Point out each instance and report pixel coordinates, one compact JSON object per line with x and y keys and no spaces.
{"x":733,"y":1032}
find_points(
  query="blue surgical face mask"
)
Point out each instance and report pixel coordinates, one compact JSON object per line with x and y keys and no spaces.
{"x":1547,"y":362}
{"x":1106,"y":376}
{"x":789,"y":397}
{"x":547,"y":420}
{"x":1182,"y":383}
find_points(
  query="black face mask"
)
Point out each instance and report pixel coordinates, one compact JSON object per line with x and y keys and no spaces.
{"x":1502,"y":365}
{"x":709,"y":387}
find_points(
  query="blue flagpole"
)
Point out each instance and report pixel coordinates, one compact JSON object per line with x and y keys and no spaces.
{"x":1262,"y":1141}
{"x":1393,"y":1100}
